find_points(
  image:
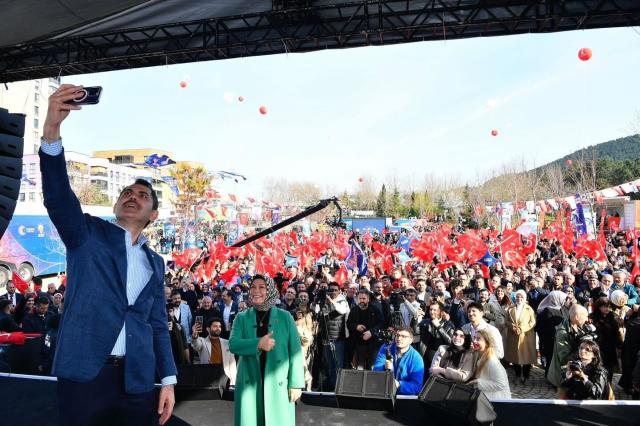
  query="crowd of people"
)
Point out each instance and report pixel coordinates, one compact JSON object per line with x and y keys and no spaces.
{"x":576,"y":318}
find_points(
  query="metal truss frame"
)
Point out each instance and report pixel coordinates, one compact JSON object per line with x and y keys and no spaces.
{"x":304,"y":26}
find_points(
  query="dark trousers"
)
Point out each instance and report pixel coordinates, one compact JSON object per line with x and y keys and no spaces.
{"x":522,"y":370}
{"x":331,"y":367}
{"x":103,"y":401}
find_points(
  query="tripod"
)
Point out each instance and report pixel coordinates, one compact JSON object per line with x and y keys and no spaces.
{"x":326,"y":341}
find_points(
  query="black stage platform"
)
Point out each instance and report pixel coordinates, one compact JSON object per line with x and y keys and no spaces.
{"x":32,"y":401}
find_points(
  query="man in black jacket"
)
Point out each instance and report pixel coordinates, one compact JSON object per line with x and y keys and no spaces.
{"x":38,"y":322}
{"x":7,"y":323}
{"x":364,"y":324}
{"x":333,"y":309}
{"x":378,"y":300}
{"x":434,"y":331}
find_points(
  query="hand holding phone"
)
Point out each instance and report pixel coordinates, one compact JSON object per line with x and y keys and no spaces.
{"x":87,"y":96}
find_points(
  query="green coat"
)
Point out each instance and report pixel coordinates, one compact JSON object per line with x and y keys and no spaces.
{"x":564,"y":349}
{"x":284,"y":370}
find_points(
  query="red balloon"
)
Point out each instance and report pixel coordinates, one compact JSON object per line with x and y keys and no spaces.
{"x":494,"y":132}
{"x":569,"y":163}
{"x":183,"y":84}
{"x":240,"y":98}
{"x":263,"y":110}
{"x":584,"y":54}
{"x":360,"y":180}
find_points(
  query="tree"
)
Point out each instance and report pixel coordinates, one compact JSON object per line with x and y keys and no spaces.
{"x":192,"y":183}
{"x":381,"y":202}
{"x":91,"y":195}
{"x":395,"y":207}
{"x":414,"y":205}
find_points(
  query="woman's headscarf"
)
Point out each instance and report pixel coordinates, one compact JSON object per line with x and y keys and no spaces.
{"x":272,"y":293}
{"x":617,"y":298}
{"x":524,"y":296}
{"x":456,"y":352}
{"x":554,"y":300}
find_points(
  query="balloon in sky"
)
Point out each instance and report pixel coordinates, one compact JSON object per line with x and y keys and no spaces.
{"x":360,"y":179}
{"x":183,"y":84}
{"x":240,"y":98}
{"x":263,"y":110}
{"x":491,"y":104}
{"x":228,"y":97}
{"x":569,"y":163}
{"x":584,"y":54}
{"x":494,"y":132}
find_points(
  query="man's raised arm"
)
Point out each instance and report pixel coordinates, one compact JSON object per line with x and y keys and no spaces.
{"x":61,"y":203}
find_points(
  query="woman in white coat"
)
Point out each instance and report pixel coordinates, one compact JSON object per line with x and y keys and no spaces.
{"x":490,"y":376}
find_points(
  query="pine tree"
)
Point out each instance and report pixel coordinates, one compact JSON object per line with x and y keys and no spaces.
{"x":381,"y":202}
{"x":396,"y":204}
{"x":414,"y":207}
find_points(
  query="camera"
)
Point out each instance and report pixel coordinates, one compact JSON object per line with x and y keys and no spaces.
{"x":386,"y":335}
{"x":321,"y":296}
{"x":587,"y":332}
{"x":575,"y":365}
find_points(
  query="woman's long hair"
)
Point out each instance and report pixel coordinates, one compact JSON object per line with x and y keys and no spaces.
{"x":488,"y":352}
{"x":506,"y":300}
{"x":595,"y":349}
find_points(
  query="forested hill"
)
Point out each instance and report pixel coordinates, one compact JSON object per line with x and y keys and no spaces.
{"x":627,"y":148}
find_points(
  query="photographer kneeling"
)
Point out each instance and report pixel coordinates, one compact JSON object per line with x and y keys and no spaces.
{"x":405,"y":362}
{"x":585,"y":378}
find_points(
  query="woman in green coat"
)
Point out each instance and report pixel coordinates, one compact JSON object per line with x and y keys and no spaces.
{"x":270,"y":370}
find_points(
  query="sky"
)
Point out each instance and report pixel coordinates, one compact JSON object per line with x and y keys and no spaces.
{"x":403,"y":111}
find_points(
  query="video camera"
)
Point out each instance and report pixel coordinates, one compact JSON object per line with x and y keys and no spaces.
{"x":386,"y":335}
{"x":586,"y":332}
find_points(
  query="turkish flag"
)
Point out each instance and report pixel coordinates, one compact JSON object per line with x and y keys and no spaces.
{"x":341,"y":275}
{"x":513,"y":258}
{"x":16,"y":338}
{"x":243,"y":218}
{"x":21,"y":285}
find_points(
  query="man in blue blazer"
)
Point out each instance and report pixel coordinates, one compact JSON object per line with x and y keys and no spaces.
{"x":182,"y":313}
{"x":113,"y":338}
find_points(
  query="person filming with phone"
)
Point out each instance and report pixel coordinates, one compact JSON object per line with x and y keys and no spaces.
{"x":107,"y":369}
{"x":214,"y":350}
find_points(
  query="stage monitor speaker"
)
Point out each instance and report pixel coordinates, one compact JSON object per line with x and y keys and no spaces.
{"x":11,"y":146}
{"x":456,"y":403}
{"x":363,"y":389}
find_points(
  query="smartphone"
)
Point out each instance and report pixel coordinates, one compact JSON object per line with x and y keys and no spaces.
{"x":87,"y":96}
{"x":199,"y":320}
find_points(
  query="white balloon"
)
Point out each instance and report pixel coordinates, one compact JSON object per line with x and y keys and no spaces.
{"x":491,"y":104}
{"x":228,"y":97}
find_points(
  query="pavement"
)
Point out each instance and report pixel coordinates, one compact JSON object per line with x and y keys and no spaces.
{"x":537,"y":386}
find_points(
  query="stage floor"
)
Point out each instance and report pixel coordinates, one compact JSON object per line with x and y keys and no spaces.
{"x":31,"y":402}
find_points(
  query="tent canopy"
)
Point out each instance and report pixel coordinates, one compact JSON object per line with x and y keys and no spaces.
{"x":47,"y":38}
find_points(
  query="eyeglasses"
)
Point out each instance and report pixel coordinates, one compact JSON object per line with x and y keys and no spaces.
{"x":403,"y":336}
{"x":458,"y":335}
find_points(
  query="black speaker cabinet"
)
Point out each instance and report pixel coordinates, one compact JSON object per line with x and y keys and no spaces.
{"x":456,"y":403}
{"x":11,"y":145}
{"x":363,"y":389}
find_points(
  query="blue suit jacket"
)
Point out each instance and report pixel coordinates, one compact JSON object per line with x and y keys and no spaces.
{"x":186,"y":320}
{"x":96,"y":303}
